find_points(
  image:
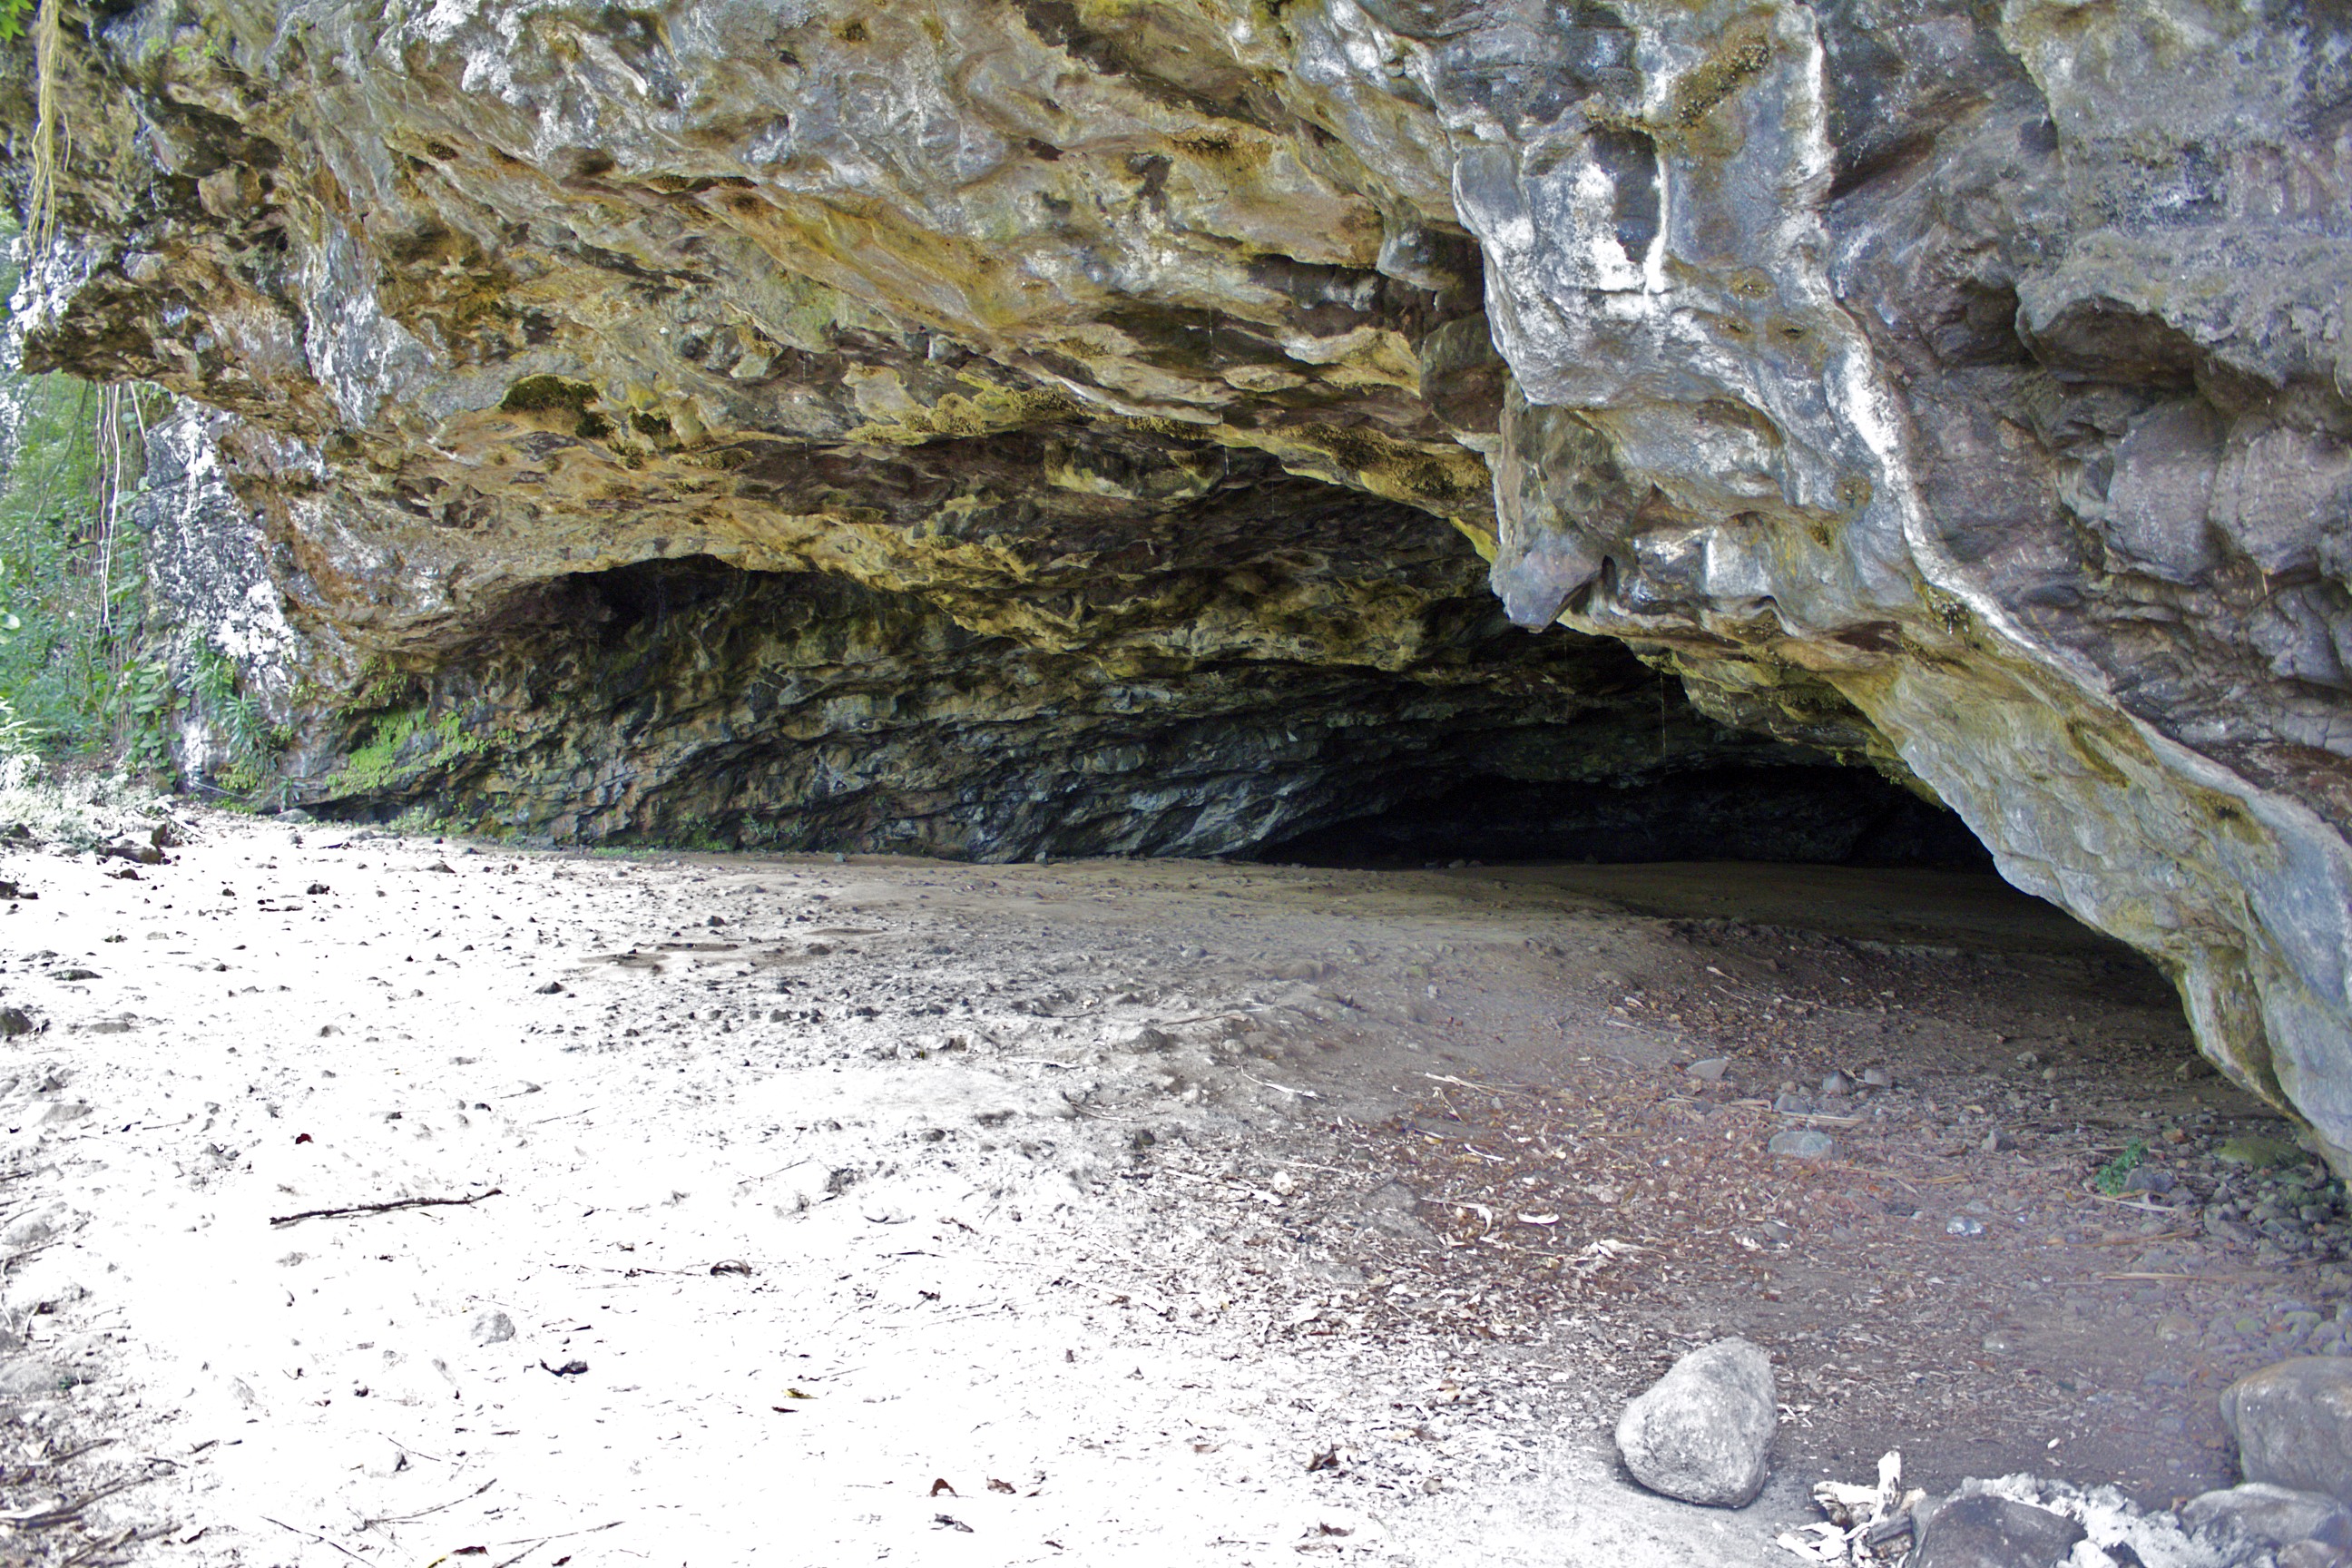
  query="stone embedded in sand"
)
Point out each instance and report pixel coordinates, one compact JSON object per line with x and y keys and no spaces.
{"x":492,"y":1327}
{"x":1801,"y":1145}
{"x":2293,"y":1423}
{"x":1703,"y":1432}
{"x":2258,"y":1514}
{"x":1988,"y":1531}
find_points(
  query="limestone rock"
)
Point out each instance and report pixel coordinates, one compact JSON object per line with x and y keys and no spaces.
{"x":1703,"y":1433}
{"x":1982,"y":1530}
{"x":2293,"y":1425}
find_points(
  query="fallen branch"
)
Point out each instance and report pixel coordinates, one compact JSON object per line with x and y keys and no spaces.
{"x":283,"y":1219}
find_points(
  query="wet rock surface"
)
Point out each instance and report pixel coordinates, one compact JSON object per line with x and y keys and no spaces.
{"x":1951,"y":390}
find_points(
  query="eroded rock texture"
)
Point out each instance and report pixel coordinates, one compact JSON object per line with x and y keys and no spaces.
{"x":1092,"y":393}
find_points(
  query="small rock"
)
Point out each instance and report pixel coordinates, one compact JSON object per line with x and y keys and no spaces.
{"x":2293,"y":1423}
{"x":296,"y":815}
{"x":491,"y":1328}
{"x":1961,"y":1225}
{"x":15,"y":1021}
{"x":1836,"y":1085}
{"x":1988,"y":1531}
{"x":1999,"y":1141}
{"x":1877,"y":1078}
{"x":2312,"y":1555}
{"x":1801,"y":1145}
{"x":1702,"y":1432}
{"x":2149,"y":1179}
{"x":1711,"y":1070}
{"x":553,"y":988}
{"x":1793,"y":1105}
{"x":2262,"y":1515}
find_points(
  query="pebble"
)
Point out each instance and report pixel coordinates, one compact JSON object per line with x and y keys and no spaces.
{"x":1835,"y":1086}
{"x":1793,"y":1105}
{"x":1801,"y":1145}
{"x":1702,"y":1432}
{"x":1961,"y":1225}
{"x":1712,"y":1069}
{"x":2292,"y":1424}
{"x":1877,"y":1078}
{"x":1999,"y":1141}
{"x":1986,"y":1531}
{"x":2149,"y":1179}
{"x":491,"y":1328}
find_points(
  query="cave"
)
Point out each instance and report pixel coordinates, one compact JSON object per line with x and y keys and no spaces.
{"x":1163,"y":442}
{"x":1200,"y":690}
{"x":690,"y":702}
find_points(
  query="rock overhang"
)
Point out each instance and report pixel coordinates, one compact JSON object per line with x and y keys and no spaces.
{"x":1957,"y":393}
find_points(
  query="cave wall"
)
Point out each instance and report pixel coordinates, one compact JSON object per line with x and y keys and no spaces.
{"x":1954,"y":387}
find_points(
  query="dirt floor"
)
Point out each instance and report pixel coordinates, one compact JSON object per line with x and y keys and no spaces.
{"x":785,"y":1209}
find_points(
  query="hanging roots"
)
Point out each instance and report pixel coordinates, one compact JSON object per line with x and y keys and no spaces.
{"x":41,"y":199}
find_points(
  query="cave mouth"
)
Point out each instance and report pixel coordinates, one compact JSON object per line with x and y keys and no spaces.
{"x":1800,"y":813}
{"x":691,"y":702}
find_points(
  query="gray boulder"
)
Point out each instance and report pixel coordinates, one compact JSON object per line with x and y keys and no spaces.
{"x":1702,"y":1432}
{"x":2259,"y":1514}
{"x":1988,"y":1531}
{"x":2293,"y":1423}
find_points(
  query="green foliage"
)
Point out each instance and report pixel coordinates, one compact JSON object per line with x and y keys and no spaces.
{"x":403,"y":745}
{"x":252,"y":742}
{"x":16,"y":16}
{"x":2110,"y":1179}
{"x":73,"y":661}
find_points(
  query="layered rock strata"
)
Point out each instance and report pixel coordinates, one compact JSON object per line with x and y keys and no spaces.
{"x":1955,"y":387}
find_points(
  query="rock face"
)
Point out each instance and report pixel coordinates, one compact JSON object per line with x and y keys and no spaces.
{"x":1703,"y":1432}
{"x":2293,"y":1425}
{"x":1094,"y":402}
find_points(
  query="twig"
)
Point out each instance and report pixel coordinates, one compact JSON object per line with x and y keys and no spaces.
{"x":1482,"y":1088}
{"x":1279,"y":1087}
{"x":436,"y":1507}
{"x":2145,"y":1240}
{"x":319,"y":1538}
{"x":283,"y":1219}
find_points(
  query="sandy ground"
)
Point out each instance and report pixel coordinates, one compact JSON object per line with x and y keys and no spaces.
{"x":787,"y":1210}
